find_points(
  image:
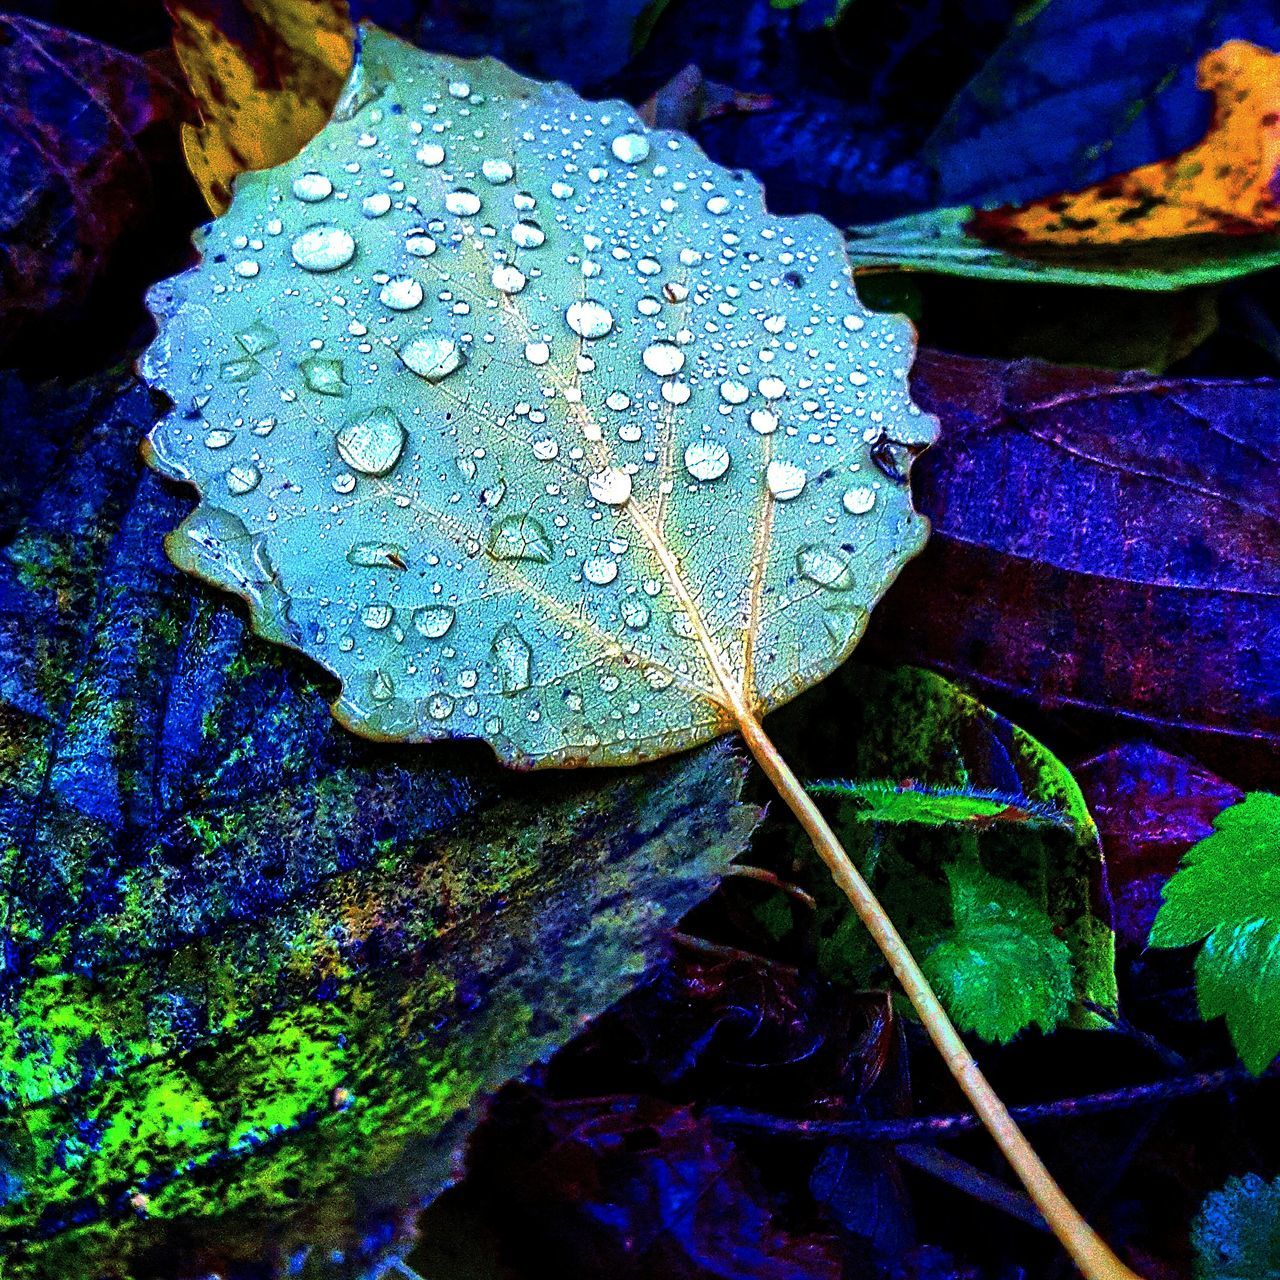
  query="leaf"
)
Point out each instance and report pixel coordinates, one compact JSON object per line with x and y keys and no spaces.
{"x":1001,"y":968}
{"x":1237,"y":1232}
{"x":1225,"y":185}
{"x":254,"y":967}
{"x":265,"y":75}
{"x":591,"y":487}
{"x":951,"y":755}
{"x":1151,"y":807}
{"x":1227,"y":893}
{"x":84,"y":133}
{"x":1077,"y":592}
{"x":1084,"y":89}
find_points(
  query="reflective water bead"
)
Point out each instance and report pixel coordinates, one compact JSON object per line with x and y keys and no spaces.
{"x":433,"y":356}
{"x":859,"y":500}
{"x":324,"y":247}
{"x":785,"y":480}
{"x":663,"y":358}
{"x":706,"y":460}
{"x":589,"y":318}
{"x":611,"y":486}
{"x":311,"y":188}
{"x":630,"y":148}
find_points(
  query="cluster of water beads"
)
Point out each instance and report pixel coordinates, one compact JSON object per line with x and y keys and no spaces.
{"x":499,"y":217}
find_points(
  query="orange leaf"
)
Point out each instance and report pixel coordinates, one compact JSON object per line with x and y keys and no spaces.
{"x":1227,"y":184}
{"x":265,"y":74}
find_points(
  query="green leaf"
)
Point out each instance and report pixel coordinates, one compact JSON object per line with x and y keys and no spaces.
{"x":1226,"y":891}
{"x":1001,"y":968}
{"x":530,"y":424}
{"x":973,"y":790}
{"x":939,"y":241}
{"x":1236,"y":1235}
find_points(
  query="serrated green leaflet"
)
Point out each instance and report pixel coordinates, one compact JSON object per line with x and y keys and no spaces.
{"x":1227,"y":892}
{"x":1237,"y":1232}
{"x":530,"y":424}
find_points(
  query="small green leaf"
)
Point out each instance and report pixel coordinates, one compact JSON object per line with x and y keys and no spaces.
{"x":938,"y":806}
{"x":1001,"y":968}
{"x":1227,"y":892}
{"x":1237,"y":1232}
{"x":939,"y":241}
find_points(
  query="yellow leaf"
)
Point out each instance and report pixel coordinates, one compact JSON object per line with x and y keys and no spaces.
{"x":1227,"y":184}
{"x":265,"y":75}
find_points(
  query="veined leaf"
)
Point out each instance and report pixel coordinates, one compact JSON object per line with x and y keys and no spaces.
{"x":1227,"y":892}
{"x":265,"y":75}
{"x":913,"y":802}
{"x":1000,"y":967}
{"x":530,"y":424}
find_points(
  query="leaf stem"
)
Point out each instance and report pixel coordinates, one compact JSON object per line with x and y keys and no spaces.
{"x":1087,"y":1249}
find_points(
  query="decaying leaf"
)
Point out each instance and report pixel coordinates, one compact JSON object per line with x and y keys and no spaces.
{"x":265,"y":75}
{"x":1228,"y":184}
{"x":529,"y":423}
{"x":254,"y":966}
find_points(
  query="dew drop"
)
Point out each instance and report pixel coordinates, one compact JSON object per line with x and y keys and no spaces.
{"x":825,"y":566}
{"x":433,"y":620}
{"x":440,"y":706}
{"x":508,"y":279}
{"x":618,"y":401}
{"x":706,"y":460}
{"x":600,"y":570}
{"x":537,"y":352}
{"x":324,"y":247}
{"x":663,"y":358}
{"x":431,"y":154}
{"x":401,"y":293}
{"x":372,"y":444}
{"x":513,"y":659}
{"x":419,"y":244}
{"x":785,"y":480}
{"x":376,"y":205}
{"x":462,"y":201}
{"x":528,"y":235}
{"x":772,"y":388}
{"x":243,"y":479}
{"x":247,"y":269}
{"x":433,"y":356}
{"x":497,"y":171}
{"x":311,"y":188}
{"x":635,"y":613}
{"x":765,"y":421}
{"x":323,"y":376}
{"x":589,"y":318}
{"x":377,"y":616}
{"x":718,"y":205}
{"x":859,"y":500}
{"x":630,"y":148}
{"x":734,"y":392}
{"x":611,"y":486}
{"x":545,"y":449}
{"x":520,"y":538}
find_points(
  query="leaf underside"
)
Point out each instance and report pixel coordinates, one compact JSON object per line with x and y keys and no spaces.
{"x":529,"y":424}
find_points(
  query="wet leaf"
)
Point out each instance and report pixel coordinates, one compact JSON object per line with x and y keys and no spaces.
{"x":976,"y":798}
{"x":265,"y":75}
{"x":1227,"y":892}
{"x":1076,"y":591}
{"x":1237,"y":1233}
{"x":257,"y":972}
{"x":83,"y":131}
{"x":1000,"y":967}
{"x":581,"y":457}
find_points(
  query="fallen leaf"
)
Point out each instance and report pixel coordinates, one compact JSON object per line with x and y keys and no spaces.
{"x":1226,"y":893}
{"x":1228,"y":184}
{"x":689,"y":98}
{"x":1150,"y":807}
{"x":256,"y":970}
{"x":492,"y":488}
{"x":265,"y":75}
{"x":84,"y":130}
{"x":1237,"y":1232}
{"x":1129,"y":571}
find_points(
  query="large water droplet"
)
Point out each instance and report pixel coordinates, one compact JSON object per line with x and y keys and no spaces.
{"x":372,"y":444}
{"x":734,"y":392}
{"x":520,"y":538}
{"x":497,"y":171}
{"x":433,"y":356}
{"x":377,"y":616}
{"x":401,"y":293}
{"x":323,"y":376}
{"x":785,"y":480}
{"x":630,"y":148}
{"x":433,"y":620}
{"x":825,"y":566}
{"x":430,"y":154}
{"x":464,"y":202}
{"x":600,"y":570}
{"x":663,"y":358}
{"x":706,"y":460}
{"x":419,"y":244}
{"x":859,"y":500}
{"x":589,"y":318}
{"x":243,"y":479}
{"x":528,"y":235}
{"x":513,"y":659}
{"x":312,"y":187}
{"x":324,"y":247}
{"x":508,"y":279}
{"x":765,"y":421}
{"x":611,"y":486}
{"x":376,"y":205}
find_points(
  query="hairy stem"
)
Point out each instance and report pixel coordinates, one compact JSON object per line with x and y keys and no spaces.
{"x":1087,"y":1249}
